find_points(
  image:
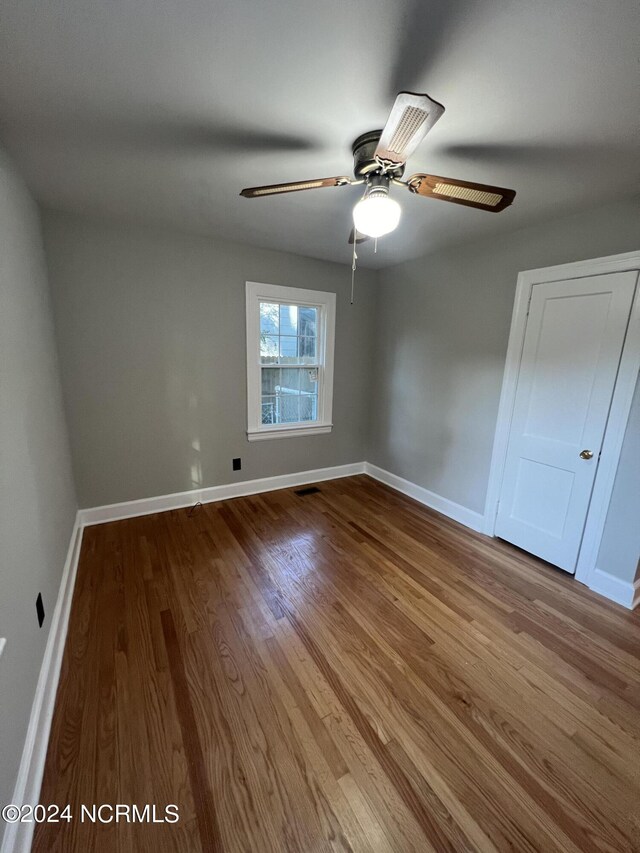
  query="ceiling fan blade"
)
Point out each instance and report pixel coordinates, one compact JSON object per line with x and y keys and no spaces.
{"x":411,"y":118}
{"x":480,"y":196}
{"x":295,"y":186}
{"x":362,"y":238}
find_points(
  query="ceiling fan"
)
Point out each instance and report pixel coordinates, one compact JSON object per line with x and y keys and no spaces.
{"x":379,"y":159}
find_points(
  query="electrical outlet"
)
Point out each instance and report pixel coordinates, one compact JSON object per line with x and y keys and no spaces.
{"x":40,"y":609}
{"x":237,"y":464}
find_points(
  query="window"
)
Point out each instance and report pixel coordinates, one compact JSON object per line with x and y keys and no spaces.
{"x":289,"y":361}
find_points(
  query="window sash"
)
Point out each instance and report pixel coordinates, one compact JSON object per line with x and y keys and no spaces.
{"x":298,"y":394}
{"x":317,"y":365}
{"x":281,"y":333}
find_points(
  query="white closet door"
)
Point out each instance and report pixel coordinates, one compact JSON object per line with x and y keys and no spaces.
{"x":572,"y":347}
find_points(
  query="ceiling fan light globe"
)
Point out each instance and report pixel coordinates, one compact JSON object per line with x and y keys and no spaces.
{"x":376,"y":215}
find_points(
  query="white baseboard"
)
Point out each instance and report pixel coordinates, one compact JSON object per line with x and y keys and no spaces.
{"x":162,"y":503}
{"x":622,"y":592}
{"x":18,"y":836}
{"x":210,"y":494}
{"x":465,"y":516}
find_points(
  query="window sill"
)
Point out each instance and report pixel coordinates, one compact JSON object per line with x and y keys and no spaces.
{"x":289,"y":431}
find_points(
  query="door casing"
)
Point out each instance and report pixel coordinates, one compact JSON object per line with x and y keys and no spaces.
{"x":620,"y":404}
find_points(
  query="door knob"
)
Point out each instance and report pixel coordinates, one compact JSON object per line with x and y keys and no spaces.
{"x":586,"y":454}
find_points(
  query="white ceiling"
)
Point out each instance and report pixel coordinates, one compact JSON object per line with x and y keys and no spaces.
{"x":163,"y":110}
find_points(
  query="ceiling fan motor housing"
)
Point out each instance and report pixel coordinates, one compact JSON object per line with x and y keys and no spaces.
{"x":364,"y":161}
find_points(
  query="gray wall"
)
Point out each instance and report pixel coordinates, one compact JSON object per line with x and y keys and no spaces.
{"x":442,"y":332}
{"x":151,"y":331}
{"x":37,"y":501}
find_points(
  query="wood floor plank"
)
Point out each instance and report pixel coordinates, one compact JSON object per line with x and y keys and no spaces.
{"x":205,"y":806}
{"x":345,"y":671}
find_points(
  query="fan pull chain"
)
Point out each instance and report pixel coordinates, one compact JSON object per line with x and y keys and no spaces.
{"x":375,"y":246}
{"x":353,"y":264}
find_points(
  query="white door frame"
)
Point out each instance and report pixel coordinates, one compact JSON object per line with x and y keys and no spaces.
{"x":618,"y":414}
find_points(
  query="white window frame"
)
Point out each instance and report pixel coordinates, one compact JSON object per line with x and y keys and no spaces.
{"x":257,"y":292}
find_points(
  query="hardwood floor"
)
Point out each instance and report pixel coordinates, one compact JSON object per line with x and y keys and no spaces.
{"x":345,"y":670}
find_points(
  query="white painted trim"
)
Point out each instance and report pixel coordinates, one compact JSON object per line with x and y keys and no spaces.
{"x":18,"y":836}
{"x":162,"y":503}
{"x":622,"y":592}
{"x":325,"y":302}
{"x":611,"y":446}
{"x":581,"y":269}
{"x":620,"y":405}
{"x":507,"y":401}
{"x":210,"y":494}
{"x":290,"y":432}
{"x":459,"y":513}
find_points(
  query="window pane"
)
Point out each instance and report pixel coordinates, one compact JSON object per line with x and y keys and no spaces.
{"x":268,"y":318}
{"x":309,"y":408}
{"x":308,"y":381}
{"x":289,"y":320}
{"x":269,"y":348}
{"x":288,"y":409}
{"x":307,"y":348}
{"x":308,"y":321}
{"x":270,"y":380}
{"x":288,"y":349}
{"x":289,"y":381}
{"x":269,"y":410}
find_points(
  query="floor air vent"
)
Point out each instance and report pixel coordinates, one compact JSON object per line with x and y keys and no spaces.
{"x":310,"y":490}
